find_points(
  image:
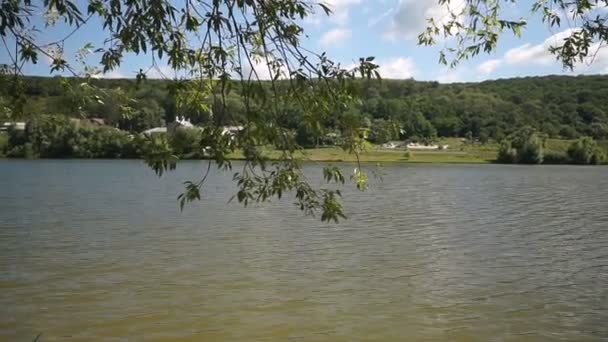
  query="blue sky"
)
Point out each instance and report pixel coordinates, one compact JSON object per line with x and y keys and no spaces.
{"x":386,"y":29}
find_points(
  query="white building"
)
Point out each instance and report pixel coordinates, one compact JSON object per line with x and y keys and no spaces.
{"x":156,"y":130}
{"x":19,"y":126}
{"x":232,"y":130}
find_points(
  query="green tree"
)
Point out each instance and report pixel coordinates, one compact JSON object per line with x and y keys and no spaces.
{"x":238,"y":39}
{"x":525,"y":146}
{"x":478,"y":25}
{"x":383,"y":131}
{"x":416,"y":125}
{"x":585,"y":151}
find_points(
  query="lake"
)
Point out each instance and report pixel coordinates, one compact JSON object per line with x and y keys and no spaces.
{"x":98,"y":250}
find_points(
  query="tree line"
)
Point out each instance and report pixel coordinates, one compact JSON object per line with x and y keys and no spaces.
{"x":519,"y":113}
{"x":558,"y":106}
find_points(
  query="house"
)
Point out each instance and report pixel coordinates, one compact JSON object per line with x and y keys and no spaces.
{"x":180,"y":122}
{"x":97,"y":121}
{"x":18,"y":126}
{"x":393,"y":144}
{"x":417,"y":146}
{"x":331,"y":138}
{"x":363,"y":133}
{"x":232,"y":130}
{"x":155,"y":130}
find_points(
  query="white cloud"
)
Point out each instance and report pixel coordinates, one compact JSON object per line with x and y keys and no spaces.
{"x":262,"y":71}
{"x":161,"y":71}
{"x":488,"y":66}
{"x":536,"y":54}
{"x":335,"y":36}
{"x":597,"y":62}
{"x":539,"y":55}
{"x":529,"y":54}
{"x":447,"y":75}
{"x":411,"y":17}
{"x":397,"y":68}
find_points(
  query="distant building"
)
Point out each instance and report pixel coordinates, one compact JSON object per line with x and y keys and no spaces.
{"x":232,"y":130}
{"x":331,"y":138}
{"x":97,"y":121}
{"x":416,"y":146}
{"x":156,"y":130}
{"x":363,"y":133}
{"x":180,"y":122}
{"x":18,"y":126}
{"x":393,"y":144}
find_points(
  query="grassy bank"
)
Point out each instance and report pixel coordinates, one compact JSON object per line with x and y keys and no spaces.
{"x":3,"y":142}
{"x":458,"y":151}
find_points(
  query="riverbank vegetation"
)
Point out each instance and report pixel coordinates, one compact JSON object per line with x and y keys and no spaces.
{"x":61,"y":137}
{"x":527,"y":120}
{"x":559,"y":107}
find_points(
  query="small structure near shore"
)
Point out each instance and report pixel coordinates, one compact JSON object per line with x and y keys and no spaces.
{"x":155,"y":130}
{"x":180,"y":122}
{"x":394,"y":144}
{"x":414,"y":146}
{"x":431,"y":147}
{"x":18,"y":126}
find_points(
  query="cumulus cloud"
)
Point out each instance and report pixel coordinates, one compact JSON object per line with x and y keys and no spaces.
{"x":488,"y":66}
{"x":450,"y":76}
{"x":539,"y":55}
{"x":536,"y":54}
{"x":262,"y":71}
{"x":597,"y":62}
{"x":411,"y":16}
{"x":397,"y":68}
{"x":335,"y":36}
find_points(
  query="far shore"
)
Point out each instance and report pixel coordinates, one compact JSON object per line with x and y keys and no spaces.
{"x":458,"y":151}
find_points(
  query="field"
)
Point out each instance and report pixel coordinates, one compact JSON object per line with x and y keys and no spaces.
{"x":3,"y":142}
{"x":459,"y":151}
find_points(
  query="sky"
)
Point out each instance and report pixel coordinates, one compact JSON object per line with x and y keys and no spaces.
{"x":387,"y":30}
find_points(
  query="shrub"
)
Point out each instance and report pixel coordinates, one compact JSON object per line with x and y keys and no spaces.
{"x":524,"y":146}
{"x":59,"y":137}
{"x":506,"y":154}
{"x":186,"y":143}
{"x":556,"y":158}
{"x":586,"y":151}
{"x":21,"y":151}
{"x":3,"y":143}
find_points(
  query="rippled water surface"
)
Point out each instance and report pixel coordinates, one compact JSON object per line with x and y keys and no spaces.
{"x":98,"y":250}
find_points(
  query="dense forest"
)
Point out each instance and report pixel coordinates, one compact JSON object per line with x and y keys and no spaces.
{"x":558,"y":106}
{"x":519,"y":113}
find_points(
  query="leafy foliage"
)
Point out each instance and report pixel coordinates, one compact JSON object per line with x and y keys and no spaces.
{"x":208,"y":43}
{"x":525,"y":146}
{"x":222,"y":49}
{"x":60,"y":137}
{"x":477,"y":25}
{"x":586,"y":151}
{"x":558,"y":106}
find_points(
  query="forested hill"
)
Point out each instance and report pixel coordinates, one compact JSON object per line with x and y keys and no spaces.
{"x":560,"y":106}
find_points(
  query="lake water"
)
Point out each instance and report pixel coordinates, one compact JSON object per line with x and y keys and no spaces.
{"x":98,"y":250}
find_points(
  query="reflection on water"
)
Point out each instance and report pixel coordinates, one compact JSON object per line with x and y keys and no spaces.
{"x":98,"y":250}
